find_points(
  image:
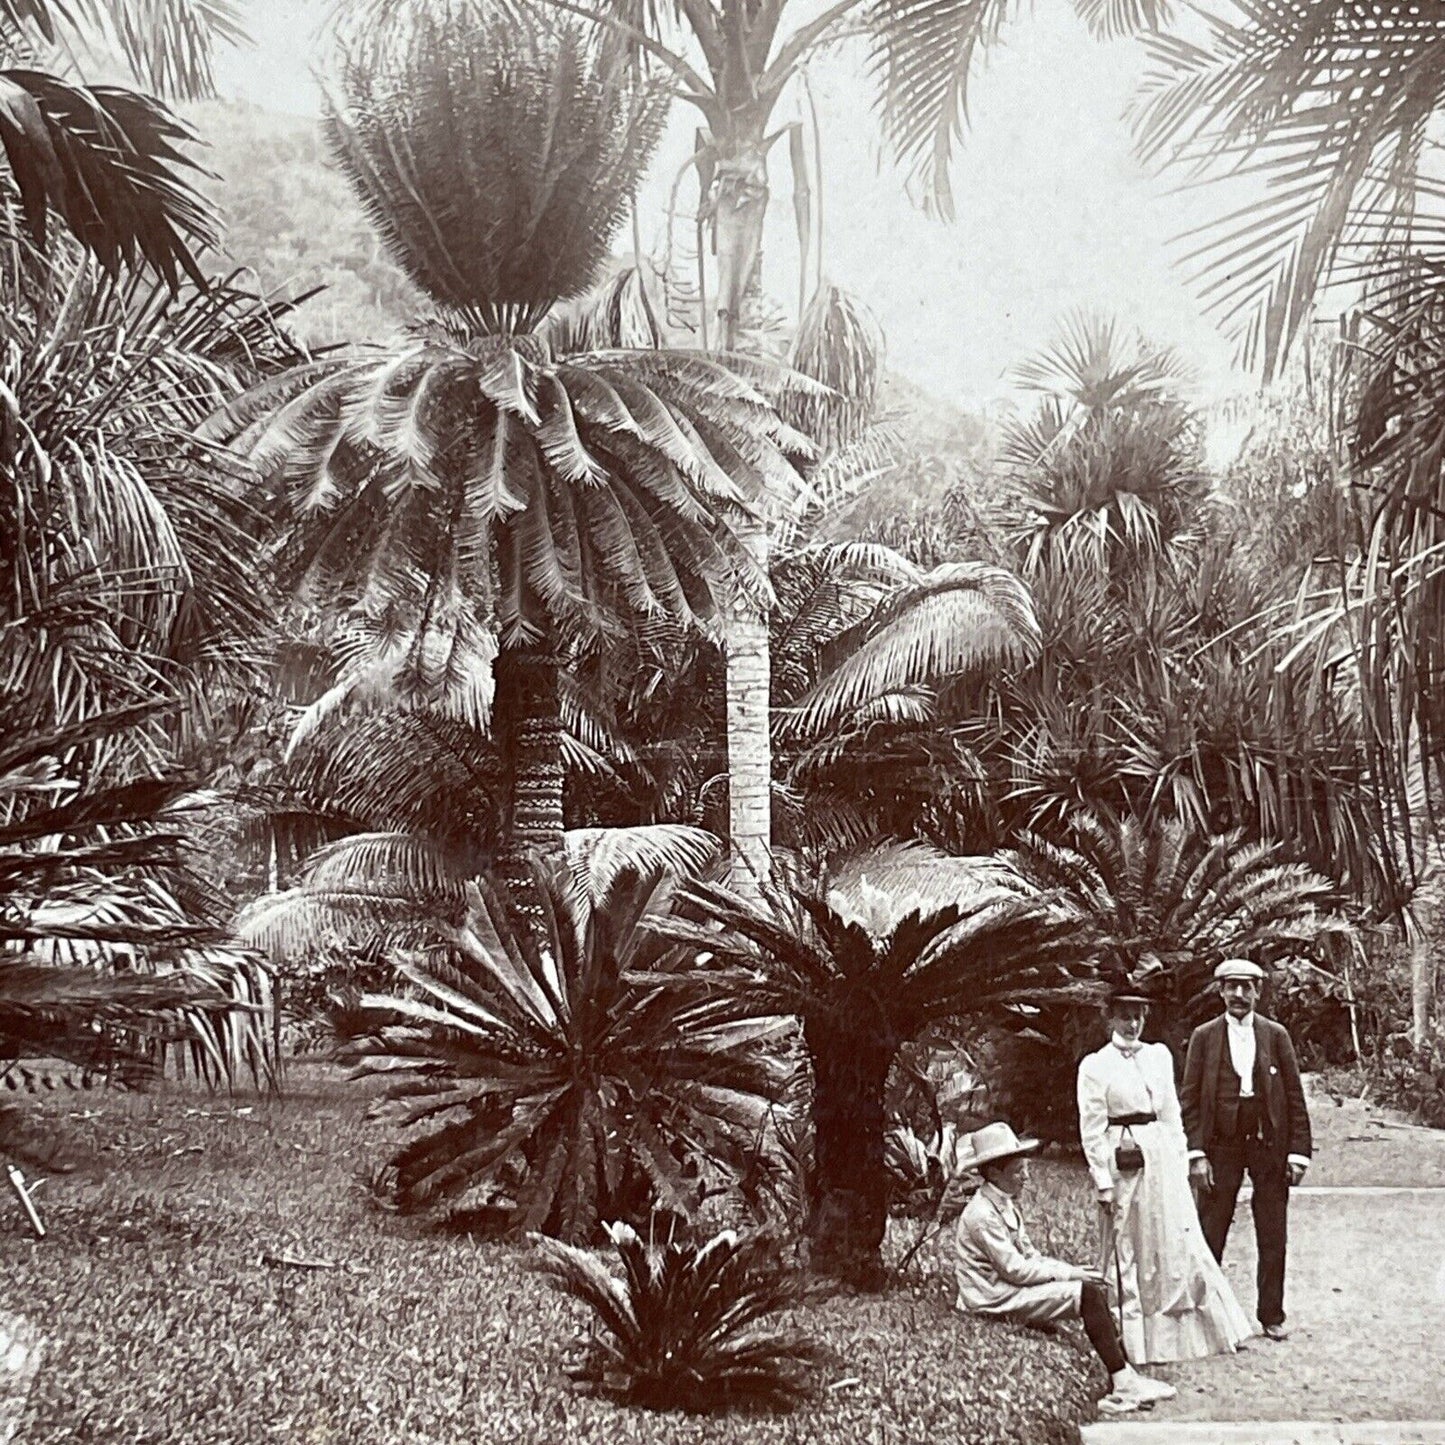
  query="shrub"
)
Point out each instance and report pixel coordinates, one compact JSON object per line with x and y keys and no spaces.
{"x":688,"y":1325}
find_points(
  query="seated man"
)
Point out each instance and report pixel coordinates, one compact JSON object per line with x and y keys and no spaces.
{"x":1001,"y":1273}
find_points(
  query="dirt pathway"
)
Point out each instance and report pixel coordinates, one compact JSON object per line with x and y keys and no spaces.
{"x":1365,"y":1291}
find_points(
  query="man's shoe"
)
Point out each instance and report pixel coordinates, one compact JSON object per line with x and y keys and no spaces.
{"x":1274,"y":1332}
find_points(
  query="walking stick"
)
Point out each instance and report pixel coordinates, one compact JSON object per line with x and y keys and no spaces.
{"x":1113,"y":1245}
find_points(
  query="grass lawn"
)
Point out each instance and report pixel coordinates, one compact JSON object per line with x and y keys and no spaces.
{"x":164,"y":1324}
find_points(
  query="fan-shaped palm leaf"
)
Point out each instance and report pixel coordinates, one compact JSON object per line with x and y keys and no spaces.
{"x":959,"y":618}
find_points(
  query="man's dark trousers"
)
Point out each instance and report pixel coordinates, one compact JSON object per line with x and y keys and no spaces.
{"x":1249,"y":1147}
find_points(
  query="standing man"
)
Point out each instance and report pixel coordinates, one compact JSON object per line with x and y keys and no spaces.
{"x":1244,"y":1109}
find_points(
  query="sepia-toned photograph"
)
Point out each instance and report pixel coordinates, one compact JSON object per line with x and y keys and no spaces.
{"x":722,"y":722}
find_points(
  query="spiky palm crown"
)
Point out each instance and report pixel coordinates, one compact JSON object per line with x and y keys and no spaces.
{"x":495,"y":159}
{"x":578,"y":1079}
{"x":1161,"y":889}
{"x":1108,"y":466}
{"x":837,"y":954}
{"x":689,"y":1325}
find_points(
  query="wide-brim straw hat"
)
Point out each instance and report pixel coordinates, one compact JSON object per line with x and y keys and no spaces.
{"x":994,"y":1142}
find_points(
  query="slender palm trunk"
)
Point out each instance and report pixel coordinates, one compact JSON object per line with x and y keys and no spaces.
{"x":740,"y":200}
{"x":849,"y":1208}
{"x":749,"y":740}
{"x":528,"y":722}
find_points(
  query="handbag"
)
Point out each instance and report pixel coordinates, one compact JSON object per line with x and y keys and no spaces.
{"x":1128,"y":1157}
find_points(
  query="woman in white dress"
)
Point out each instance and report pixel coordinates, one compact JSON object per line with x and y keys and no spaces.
{"x":1177,"y":1304}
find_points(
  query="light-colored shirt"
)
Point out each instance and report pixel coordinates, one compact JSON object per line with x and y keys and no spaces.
{"x":1241,"y":1051}
{"x":1112,"y":1084}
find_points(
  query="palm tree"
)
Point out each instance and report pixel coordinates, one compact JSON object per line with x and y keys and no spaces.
{"x":577,"y":1081}
{"x":109,"y":162}
{"x":1162,"y":682}
{"x":922,"y":57}
{"x":133,"y":570}
{"x":1358,"y":90}
{"x":866,"y":968}
{"x":474,"y":504}
{"x":112,"y":944}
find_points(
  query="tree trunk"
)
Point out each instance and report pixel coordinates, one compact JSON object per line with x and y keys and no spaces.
{"x":750,"y":748}
{"x":528,"y":725}
{"x":849,"y":1208}
{"x":739,"y":203}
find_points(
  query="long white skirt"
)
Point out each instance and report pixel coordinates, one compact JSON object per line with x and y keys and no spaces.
{"x":1177,"y":1305}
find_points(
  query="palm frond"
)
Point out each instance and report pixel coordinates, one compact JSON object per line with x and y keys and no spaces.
{"x":111,"y":164}
{"x":959,"y":618}
{"x":1326,"y":106}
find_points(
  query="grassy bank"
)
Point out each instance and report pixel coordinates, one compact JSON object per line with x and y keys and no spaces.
{"x":166,"y":1324}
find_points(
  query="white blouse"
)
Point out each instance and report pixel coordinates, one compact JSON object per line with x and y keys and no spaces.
{"x":1112,"y":1083}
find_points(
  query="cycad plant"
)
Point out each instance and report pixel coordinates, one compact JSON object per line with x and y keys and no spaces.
{"x":470,"y":506}
{"x":582,"y":1077}
{"x":865,"y":969}
{"x":1159,"y":888}
{"x":688,"y":1326}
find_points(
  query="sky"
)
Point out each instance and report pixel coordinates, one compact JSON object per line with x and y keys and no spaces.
{"x":1054,"y":211}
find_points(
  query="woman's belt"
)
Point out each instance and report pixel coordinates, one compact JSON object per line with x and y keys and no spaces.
{"x":1125,"y":1120}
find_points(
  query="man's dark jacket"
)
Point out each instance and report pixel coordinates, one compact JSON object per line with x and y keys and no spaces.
{"x":1276,"y":1081}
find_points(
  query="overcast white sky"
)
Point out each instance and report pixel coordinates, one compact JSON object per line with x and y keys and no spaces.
{"x":1054,"y":211}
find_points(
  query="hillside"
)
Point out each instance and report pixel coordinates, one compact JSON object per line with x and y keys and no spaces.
{"x":291,"y":218}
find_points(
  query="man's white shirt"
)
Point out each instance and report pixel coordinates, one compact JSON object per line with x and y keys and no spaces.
{"x":1241,"y":1051}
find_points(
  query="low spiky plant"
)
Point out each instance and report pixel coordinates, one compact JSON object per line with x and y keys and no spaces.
{"x":589,"y":1076}
{"x":688,"y":1326}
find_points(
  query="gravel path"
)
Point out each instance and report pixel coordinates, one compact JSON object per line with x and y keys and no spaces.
{"x":1365,"y":1290}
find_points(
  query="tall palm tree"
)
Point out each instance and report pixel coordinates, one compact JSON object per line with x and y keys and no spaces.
{"x":866,"y":968}
{"x":110,"y":162}
{"x":1354,"y":92}
{"x":473,"y":504}
{"x":922,"y":55}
